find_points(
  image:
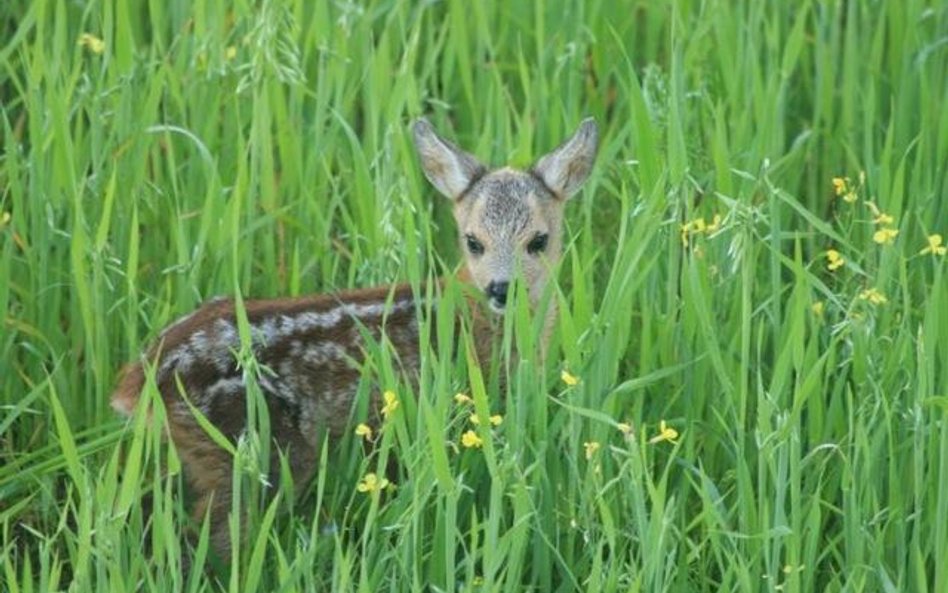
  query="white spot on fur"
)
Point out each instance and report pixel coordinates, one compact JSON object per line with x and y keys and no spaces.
{"x":217,"y":346}
{"x":310,"y":320}
{"x":200,"y":344}
{"x":323,"y":352}
{"x":266,"y":331}
{"x":226,"y":332}
{"x":277,"y":387}
{"x":228,"y":386}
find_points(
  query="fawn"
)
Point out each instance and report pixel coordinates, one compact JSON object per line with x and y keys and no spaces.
{"x":313,"y":345}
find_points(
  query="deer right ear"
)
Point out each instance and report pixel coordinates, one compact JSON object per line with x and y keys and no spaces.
{"x":566,"y":168}
{"x":447,"y":167}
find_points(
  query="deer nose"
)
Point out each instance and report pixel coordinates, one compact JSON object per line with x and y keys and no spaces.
{"x":497,"y":291}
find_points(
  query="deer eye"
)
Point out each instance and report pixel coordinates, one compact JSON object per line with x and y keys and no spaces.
{"x":473,"y":245}
{"x":537,"y":244}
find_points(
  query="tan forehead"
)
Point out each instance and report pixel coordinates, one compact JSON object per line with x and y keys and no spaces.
{"x":507,"y":202}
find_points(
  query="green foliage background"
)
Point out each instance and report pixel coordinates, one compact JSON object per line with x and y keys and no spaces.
{"x":264,"y":148}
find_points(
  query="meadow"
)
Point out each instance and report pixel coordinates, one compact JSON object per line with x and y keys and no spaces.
{"x":747,"y":386}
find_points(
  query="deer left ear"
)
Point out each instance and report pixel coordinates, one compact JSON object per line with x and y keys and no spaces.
{"x":566,"y":168}
{"x":447,"y":167}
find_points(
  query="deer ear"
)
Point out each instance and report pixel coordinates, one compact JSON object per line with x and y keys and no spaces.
{"x":566,"y":168}
{"x":447,"y":167}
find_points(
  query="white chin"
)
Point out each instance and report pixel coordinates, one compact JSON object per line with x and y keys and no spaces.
{"x":499,"y":309}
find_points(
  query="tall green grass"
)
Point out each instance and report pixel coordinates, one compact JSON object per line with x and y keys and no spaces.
{"x":263,"y":148}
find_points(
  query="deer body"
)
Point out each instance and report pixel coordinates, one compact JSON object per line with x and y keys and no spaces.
{"x":312,"y":347}
{"x":311,"y":344}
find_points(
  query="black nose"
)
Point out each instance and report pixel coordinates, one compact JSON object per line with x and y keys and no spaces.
{"x":498,"y":292}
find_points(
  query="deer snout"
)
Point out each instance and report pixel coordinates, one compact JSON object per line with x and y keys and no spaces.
{"x":497,"y":292}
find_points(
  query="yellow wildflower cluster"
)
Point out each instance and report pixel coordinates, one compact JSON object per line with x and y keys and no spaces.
{"x":92,"y":43}
{"x":570,"y":380}
{"x":665,"y":433}
{"x":372,"y":483}
{"x":391,"y":404}
{"x":873,"y":296}
{"x":885,"y":231}
{"x":591,"y":447}
{"x":463,"y":399}
{"x":839,"y":185}
{"x":880,"y":216}
{"x":846,"y":189}
{"x":886,"y":234}
{"x":699,"y":226}
{"x":470,"y":440}
{"x":495,"y":420}
{"x":364,"y":430}
{"x":934,"y":246}
{"x":834,"y":260}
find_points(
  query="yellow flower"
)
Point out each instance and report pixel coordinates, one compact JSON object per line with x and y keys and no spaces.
{"x":873,"y":296}
{"x":625,"y":428}
{"x":569,"y":379}
{"x":93,"y":43}
{"x":698,"y":226}
{"x":840,"y":184}
{"x":372,"y":483}
{"x":665,"y":433}
{"x":364,"y":430}
{"x":495,"y":420}
{"x":714,"y":225}
{"x":391,"y":403}
{"x":882,"y":218}
{"x":461,"y":399}
{"x":885,"y":236}
{"x":817,"y":308}
{"x":934,"y":246}
{"x":835,"y":260}
{"x":470,"y":439}
{"x":685,"y":229}
{"x":591,"y":447}
{"x":230,"y":53}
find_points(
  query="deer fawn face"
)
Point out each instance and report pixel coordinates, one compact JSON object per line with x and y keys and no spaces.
{"x":510,"y":222}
